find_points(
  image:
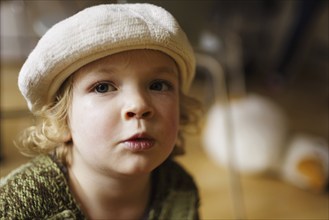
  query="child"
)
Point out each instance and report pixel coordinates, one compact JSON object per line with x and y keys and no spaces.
{"x":109,"y":87}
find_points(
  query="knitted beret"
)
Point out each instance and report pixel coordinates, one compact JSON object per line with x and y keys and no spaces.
{"x":97,"y":32}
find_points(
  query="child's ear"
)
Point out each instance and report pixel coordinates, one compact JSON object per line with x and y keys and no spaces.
{"x":67,"y":137}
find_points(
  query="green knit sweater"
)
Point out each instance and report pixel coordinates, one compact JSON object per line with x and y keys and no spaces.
{"x":39,"y":190}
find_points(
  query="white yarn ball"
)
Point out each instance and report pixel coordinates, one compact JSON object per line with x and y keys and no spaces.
{"x":258,"y":130}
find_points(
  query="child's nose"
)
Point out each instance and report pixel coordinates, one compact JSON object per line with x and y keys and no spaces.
{"x":137,"y":106}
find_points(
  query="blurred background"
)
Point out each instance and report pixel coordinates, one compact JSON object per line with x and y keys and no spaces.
{"x":262,"y":78}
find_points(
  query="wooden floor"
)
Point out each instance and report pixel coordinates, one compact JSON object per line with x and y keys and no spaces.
{"x":263,"y":197}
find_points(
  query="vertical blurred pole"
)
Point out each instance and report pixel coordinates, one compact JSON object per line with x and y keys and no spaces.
{"x":222,"y":94}
{"x":1,"y":140}
{"x":236,"y":187}
{"x":234,"y":174}
{"x":1,"y":58}
{"x":234,"y":87}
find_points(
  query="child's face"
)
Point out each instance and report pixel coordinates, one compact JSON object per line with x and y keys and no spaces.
{"x":125,"y":112}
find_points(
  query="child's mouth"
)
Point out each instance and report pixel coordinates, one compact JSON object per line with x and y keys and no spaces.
{"x":139,"y":142}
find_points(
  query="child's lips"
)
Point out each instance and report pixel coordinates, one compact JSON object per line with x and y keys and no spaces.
{"x":139,"y":142}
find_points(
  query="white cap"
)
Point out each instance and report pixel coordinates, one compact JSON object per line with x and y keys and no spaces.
{"x":97,"y":32}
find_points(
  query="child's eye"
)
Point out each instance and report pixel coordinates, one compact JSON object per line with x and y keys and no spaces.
{"x":103,"y":87}
{"x":160,"y":86}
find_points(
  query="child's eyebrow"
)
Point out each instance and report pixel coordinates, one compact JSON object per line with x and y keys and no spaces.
{"x":106,"y":70}
{"x":164,"y":70}
{"x":158,"y":70}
